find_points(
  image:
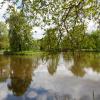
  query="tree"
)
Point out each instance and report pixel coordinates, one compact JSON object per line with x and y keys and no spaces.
{"x":4,"y":43}
{"x":20,"y":32}
{"x":75,"y":39}
{"x":65,"y":44}
{"x":64,"y":14}
{"x":96,"y":38}
{"x":88,"y":42}
{"x":50,"y":40}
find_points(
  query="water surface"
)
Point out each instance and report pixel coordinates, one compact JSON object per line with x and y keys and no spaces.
{"x":64,"y":76}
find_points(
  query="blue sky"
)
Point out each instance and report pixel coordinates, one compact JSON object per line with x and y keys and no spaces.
{"x":38,"y":32}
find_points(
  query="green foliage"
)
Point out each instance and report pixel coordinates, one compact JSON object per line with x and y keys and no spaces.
{"x":74,"y":39}
{"x":36,"y":45}
{"x":4,"y":43}
{"x":68,"y":16}
{"x":96,"y":38}
{"x":20,"y":32}
{"x":88,"y":43}
{"x":65,"y":14}
{"x":79,"y":40}
{"x":50,"y":40}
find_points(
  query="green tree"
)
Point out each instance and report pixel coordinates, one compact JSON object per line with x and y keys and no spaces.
{"x":50,"y":40}
{"x":75,"y":39}
{"x":65,"y":44}
{"x":96,"y":38}
{"x":64,"y":14}
{"x":4,"y":43}
{"x":20,"y":32}
{"x":88,"y":42}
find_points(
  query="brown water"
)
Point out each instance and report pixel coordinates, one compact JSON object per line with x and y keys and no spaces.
{"x":63,"y":76}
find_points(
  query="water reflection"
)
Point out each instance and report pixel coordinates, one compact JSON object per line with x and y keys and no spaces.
{"x":53,"y":63}
{"x":20,"y":74}
{"x":4,"y":68}
{"x":86,"y":97}
{"x":77,"y":68}
{"x":95,"y":64}
{"x":27,"y":81}
{"x":82,"y":61}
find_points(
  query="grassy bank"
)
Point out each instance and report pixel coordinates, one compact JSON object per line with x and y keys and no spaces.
{"x":38,"y":52}
{"x":1,"y":52}
{"x":23,"y":53}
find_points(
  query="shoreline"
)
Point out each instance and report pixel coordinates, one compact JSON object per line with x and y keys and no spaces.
{"x":41,"y":52}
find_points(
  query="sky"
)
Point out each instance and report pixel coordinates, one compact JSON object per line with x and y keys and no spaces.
{"x":38,"y":32}
{"x":3,"y":10}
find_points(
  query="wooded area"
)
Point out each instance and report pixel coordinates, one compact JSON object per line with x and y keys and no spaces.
{"x":66,"y":20}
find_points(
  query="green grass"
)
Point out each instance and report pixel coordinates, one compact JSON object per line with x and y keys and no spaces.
{"x":1,"y":51}
{"x":34,"y":52}
{"x":23,"y":53}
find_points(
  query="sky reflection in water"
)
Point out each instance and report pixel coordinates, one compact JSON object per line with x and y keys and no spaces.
{"x":50,"y":77}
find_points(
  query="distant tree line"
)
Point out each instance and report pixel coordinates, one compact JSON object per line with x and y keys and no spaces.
{"x":19,"y":38}
{"x":77,"y":41}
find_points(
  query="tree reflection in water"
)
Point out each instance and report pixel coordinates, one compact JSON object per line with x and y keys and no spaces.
{"x":21,"y":70}
{"x":83,"y":60}
{"x":52,"y":60}
{"x":4,"y":68}
{"x":77,"y":68}
{"x":53,"y":63}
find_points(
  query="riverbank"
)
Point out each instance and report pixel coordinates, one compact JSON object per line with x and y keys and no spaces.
{"x":1,"y":52}
{"x":38,"y":52}
{"x":23,"y":53}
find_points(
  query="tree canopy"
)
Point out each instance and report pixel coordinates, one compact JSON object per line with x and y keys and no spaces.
{"x":20,"y":32}
{"x":3,"y":36}
{"x":67,"y":17}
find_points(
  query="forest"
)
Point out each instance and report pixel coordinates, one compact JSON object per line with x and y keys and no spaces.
{"x":65,"y":19}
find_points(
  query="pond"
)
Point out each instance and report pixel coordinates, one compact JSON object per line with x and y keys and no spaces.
{"x":63,"y":76}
